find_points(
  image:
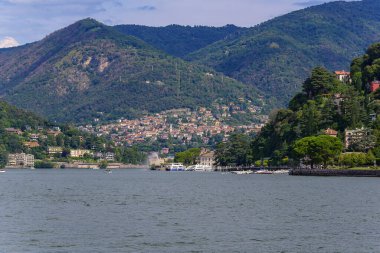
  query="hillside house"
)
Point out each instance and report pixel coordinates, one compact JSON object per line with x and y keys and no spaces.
{"x":54,"y":150}
{"x":374,"y":86}
{"x":353,"y":136}
{"x":13,"y":131}
{"x":343,"y":76}
{"x":31,"y":144}
{"x":331,"y":132}
{"x":20,"y":160}
{"x":207,"y":158}
{"x":79,"y":152}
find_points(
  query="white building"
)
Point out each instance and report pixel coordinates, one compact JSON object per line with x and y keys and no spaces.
{"x":20,"y":160}
{"x":207,"y":158}
{"x":79,"y":152}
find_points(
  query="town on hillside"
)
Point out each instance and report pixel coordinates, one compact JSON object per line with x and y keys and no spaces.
{"x":184,"y":125}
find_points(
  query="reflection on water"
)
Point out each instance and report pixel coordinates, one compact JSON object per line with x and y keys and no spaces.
{"x":145,"y":211}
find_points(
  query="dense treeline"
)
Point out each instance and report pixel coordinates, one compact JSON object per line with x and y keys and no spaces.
{"x":324,"y":103}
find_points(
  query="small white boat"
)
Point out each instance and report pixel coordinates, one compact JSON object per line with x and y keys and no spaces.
{"x":242,"y":172}
{"x":176,"y":167}
{"x":264,"y":172}
{"x":2,"y":171}
{"x":281,"y":172}
{"x":203,"y":168}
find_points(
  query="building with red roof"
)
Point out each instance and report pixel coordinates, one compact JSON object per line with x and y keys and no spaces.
{"x":374,"y":86}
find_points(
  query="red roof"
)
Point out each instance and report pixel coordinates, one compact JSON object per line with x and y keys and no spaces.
{"x":330,"y":131}
{"x":342,"y":72}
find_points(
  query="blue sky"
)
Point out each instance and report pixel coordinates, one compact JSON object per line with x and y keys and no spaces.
{"x":31,"y":20}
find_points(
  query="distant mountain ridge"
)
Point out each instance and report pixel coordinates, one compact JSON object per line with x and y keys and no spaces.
{"x":88,"y":70}
{"x":179,"y":40}
{"x":277,"y":55}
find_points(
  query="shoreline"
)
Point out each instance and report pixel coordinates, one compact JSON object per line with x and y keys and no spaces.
{"x":334,"y":173}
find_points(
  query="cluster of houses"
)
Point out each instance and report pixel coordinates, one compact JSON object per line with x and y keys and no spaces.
{"x":180,"y":124}
{"x":350,"y":136}
{"x":22,"y":160}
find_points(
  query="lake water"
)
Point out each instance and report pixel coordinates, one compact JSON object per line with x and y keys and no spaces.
{"x":57,"y":211}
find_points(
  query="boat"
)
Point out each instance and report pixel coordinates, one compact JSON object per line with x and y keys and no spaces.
{"x":202,"y":168}
{"x":264,"y":172}
{"x":281,"y":172}
{"x":2,"y":171}
{"x":242,"y":172}
{"x":176,"y":167}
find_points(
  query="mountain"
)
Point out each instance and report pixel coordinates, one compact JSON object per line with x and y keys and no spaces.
{"x":276,"y":56}
{"x":88,"y":70}
{"x":179,"y":40}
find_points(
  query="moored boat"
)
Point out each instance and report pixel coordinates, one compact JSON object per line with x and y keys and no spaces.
{"x":264,"y":172}
{"x":281,"y":172}
{"x":176,"y":167}
{"x":242,"y":172}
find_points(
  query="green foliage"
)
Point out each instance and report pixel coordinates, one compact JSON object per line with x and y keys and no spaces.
{"x":188,"y":157}
{"x":3,"y":156}
{"x":43,"y":165}
{"x":130,"y":155}
{"x":315,"y":150}
{"x":103,"y":164}
{"x":321,"y":82}
{"x":235,"y":152}
{"x":328,"y":35}
{"x":356,"y":159}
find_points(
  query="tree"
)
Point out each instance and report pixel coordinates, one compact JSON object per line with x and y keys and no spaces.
{"x":310,"y":118}
{"x":188,"y":157}
{"x":103,"y":164}
{"x":320,"y":82}
{"x":236,"y":151}
{"x":315,"y":150}
{"x":3,"y":156}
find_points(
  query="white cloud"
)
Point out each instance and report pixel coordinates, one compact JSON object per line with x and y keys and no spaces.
{"x":8,"y":42}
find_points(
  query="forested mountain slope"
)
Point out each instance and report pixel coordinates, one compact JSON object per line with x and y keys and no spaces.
{"x":181,"y":40}
{"x":89,"y":70}
{"x":276,"y":56}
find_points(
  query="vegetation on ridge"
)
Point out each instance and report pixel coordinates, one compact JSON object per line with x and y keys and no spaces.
{"x":179,"y":40}
{"x":277,"y":55}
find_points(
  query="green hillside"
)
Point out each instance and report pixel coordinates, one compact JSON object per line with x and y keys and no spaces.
{"x":18,"y":126}
{"x":278,"y":55}
{"x":326,"y":103}
{"x":327,"y":117}
{"x":89,"y":70}
{"x":179,"y":40}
